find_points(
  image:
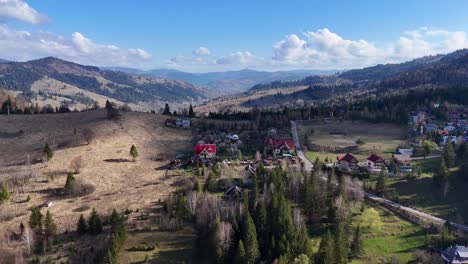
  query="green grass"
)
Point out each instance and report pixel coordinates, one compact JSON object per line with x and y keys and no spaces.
{"x":172,"y":247}
{"x":397,"y":237}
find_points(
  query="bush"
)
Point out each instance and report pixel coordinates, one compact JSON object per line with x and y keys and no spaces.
{"x":143,"y":247}
{"x":360,"y":142}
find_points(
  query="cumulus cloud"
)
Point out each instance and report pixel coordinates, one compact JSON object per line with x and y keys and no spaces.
{"x":24,"y":45}
{"x":20,"y":10}
{"x":201,"y":51}
{"x":238,"y":58}
{"x":326,"y":49}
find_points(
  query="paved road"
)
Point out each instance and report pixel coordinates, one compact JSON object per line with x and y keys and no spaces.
{"x":308,"y":164}
{"x":427,"y":157}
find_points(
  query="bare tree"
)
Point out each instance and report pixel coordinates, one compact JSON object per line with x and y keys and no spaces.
{"x":28,"y":239}
{"x":298,"y":218}
{"x":191,"y":202}
{"x":88,"y":135}
{"x":225,"y":236}
{"x":77,"y":164}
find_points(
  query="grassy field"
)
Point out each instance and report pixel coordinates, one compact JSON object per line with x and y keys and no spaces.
{"x":171,"y":247}
{"x":341,"y":136}
{"x":396,"y":238}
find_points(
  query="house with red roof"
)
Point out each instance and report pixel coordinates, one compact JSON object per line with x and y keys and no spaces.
{"x":279,"y":146}
{"x":347,"y":162}
{"x":205,"y":151}
{"x":375,"y":163}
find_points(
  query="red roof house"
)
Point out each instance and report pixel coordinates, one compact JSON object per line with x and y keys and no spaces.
{"x":280,"y":145}
{"x":374,"y":161}
{"x":206,"y":151}
{"x":348,"y":162}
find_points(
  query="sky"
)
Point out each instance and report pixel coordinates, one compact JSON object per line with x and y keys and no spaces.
{"x":201,"y":36}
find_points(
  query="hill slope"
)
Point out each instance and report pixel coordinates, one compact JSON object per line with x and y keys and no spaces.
{"x":228,"y":82}
{"x":54,"y":77}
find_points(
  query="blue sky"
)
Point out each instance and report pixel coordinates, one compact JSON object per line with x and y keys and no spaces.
{"x":268,"y":35}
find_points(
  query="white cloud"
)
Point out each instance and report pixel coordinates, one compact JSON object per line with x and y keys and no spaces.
{"x":20,"y":10}
{"x":24,"y":45}
{"x":325,"y":49}
{"x":201,"y":51}
{"x":239,"y":58}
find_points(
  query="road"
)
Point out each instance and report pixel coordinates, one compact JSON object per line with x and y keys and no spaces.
{"x":308,"y":165}
{"x":427,"y":157}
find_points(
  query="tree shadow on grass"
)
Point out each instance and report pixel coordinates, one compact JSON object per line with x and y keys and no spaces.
{"x":117,"y":160}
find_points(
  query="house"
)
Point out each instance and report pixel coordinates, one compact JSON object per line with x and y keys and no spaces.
{"x":272,"y":132}
{"x":205,"y":151}
{"x":348,"y":162}
{"x":280,"y":146}
{"x":233,"y":137}
{"x":450,"y":128}
{"x":401,"y":159}
{"x":418,"y":117}
{"x":233,"y":192}
{"x":375,"y":163}
{"x":183,"y":122}
{"x":443,"y":132}
{"x":403,"y":151}
{"x":455,"y":254}
{"x":430,"y":127}
{"x":454,"y":115}
{"x":446,"y":139}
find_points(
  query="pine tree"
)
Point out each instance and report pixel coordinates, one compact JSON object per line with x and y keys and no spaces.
{"x":449,"y":155}
{"x":69,"y":182}
{"x":109,"y":257}
{"x":356,"y":244}
{"x":191,"y":113}
{"x":108,"y":104}
{"x":249,"y":235}
{"x":341,"y":245}
{"x":133,"y":152}
{"x":114,"y":219}
{"x":81,"y":226}
{"x":240,"y":257}
{"x":440,"y":177}
{"x":261,"y":223}
{"x":326,"y":254}
{"x":197,"y":186}
{"x":167,"y":110}
{"x":48,"y":152}
{"x":35,"y":220}
{"x":50,"y":228}
{"x":381,"y":185}
{"x":94,"y":223}
{"x":210,"y":183}
{"x":4,"y":193}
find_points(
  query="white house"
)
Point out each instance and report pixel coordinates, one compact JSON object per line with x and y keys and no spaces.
{"x":456,"y":254}
{"x":450,"y":128}
{"x":446,"y":139}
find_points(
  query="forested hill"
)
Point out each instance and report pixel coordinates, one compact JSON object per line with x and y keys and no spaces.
{"x":439,"y":69}
{"x":57,"y":77}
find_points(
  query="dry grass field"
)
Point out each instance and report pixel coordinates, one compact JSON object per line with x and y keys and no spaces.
{"x":236,"y":102}
{"x":114,"y":180}
{"x":381,"y":139}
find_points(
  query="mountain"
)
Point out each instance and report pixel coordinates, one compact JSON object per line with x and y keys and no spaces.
{"x":51,"y":77}
{"x":447,"y":70}
{"x":228,"y":82}
{"x":3,"y":61}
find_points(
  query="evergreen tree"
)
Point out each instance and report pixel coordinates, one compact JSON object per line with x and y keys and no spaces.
{"x":94,"y":223}
{"x":381,"y":185}
{"x":249,"y":235}
{"x":4,"y":193}
{"x":210,"y":183}
{"x":133,"y":152}
{"x":449,"y":155}
{"x":341,"y":245}
{"x":261,"y":223}
{"x":440,"y":177}
{"x":81,"y":226}
{"x":326,"y":251}
{"x":114,"y":219}
{"x":356,"y":244}
{"x":240,"y":257}
{"x":191,"y":113}
{"x":48,"y":152}
{"x":50,"y":228}
{"x":109,"y":259}
{"x":167,"y":110}
{"x":35,"y":220}
{"x":108,"y":104}
{"x":69,"y":182}
{"x":197,"y":186}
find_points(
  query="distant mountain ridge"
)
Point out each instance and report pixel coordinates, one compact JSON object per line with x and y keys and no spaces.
{"x":49,"y":77}
{"x":228,"y":82}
